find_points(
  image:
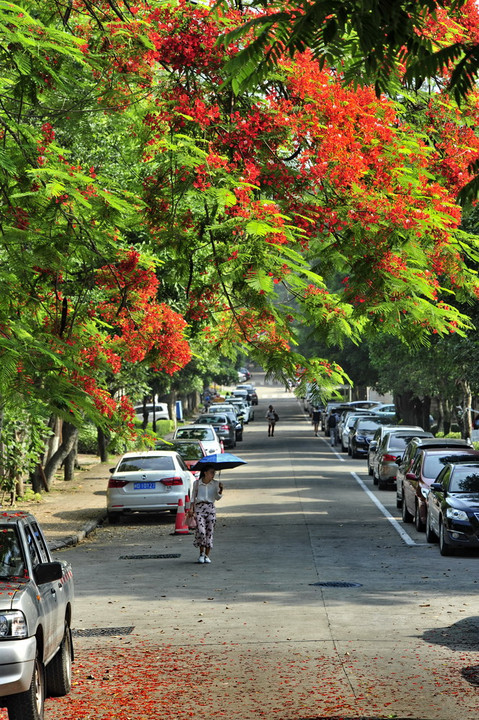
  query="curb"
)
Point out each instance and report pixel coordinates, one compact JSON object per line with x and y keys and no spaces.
{"x":72,"y":540}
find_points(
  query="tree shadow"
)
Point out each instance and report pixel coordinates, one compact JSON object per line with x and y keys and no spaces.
{"x":460,"y":636}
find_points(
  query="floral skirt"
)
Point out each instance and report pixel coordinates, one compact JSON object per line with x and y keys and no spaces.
{"x":205,"y":518}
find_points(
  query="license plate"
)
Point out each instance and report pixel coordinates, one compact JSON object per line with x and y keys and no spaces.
{"x":144,"y":486}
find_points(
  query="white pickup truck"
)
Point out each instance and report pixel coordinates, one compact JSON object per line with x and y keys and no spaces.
{"x":36,"y":597}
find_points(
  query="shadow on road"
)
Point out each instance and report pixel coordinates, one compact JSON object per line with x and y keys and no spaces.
{"x":462,"y":635}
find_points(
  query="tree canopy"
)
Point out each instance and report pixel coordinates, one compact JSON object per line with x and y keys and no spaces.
{"x":149,"y":212}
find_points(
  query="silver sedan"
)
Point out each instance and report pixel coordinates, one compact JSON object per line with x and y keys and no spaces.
{"x":147,"y":482}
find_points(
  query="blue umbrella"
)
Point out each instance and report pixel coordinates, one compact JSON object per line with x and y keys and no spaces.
{"x":219,"y":461}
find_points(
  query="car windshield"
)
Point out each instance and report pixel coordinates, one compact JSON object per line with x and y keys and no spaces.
{"x":195,"y":433}
{"x":433,"y":464}
{"x":188,"y":450}
{"x":11,"y":559}
{"x":465,"y":481}
{"x":398,"y":443}
{"x":366,"y":425}
{"x":135,"y":464}
{"x":212,"y":419}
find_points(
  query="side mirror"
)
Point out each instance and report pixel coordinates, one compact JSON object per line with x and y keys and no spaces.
{"x":48,"y":572}
{"x":112,"y":470}
{"x":373,"y":444}
{"x":411,"y":476}
{"x":437,"y":486}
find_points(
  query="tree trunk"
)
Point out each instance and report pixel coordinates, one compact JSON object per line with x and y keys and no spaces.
{"x":405,"y":407}
{"x":466,"y":404}
{"x":70,"y":434}
{"x":38,"y":479}
{"x":70,"y":462}
{"x":20,"y":486}
{"x":102,"y":439}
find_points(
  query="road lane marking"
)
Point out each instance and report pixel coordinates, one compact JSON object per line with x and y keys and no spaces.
{"x":400,"y":530}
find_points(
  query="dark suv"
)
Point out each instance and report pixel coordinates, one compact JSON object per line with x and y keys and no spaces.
{"x":225,"y":427}
{"x":411,"y":451}
{"x":426,"y":467}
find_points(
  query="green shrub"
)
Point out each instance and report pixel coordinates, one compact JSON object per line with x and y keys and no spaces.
{"x":87,"y":440}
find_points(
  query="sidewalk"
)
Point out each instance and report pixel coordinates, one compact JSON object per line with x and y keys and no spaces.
{"x":72,"y":510}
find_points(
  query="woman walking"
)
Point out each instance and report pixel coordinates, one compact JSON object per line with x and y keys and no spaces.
{"x":272,"y":418}
{"x":206,"y":490}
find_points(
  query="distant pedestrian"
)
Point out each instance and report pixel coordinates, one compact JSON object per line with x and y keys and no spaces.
{"x":272,"y":417}
{"x":206,"y":490}
{"x":316,"y":417}
{"x":333,"y":427}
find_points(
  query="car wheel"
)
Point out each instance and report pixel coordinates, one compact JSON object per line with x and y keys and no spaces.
{"x":431,"y":536}
{"x":418,"y":523}
{"x":398,"y":501}
{"x":375,"y":478}
{"x":444,"y":547}
{"x":29,"y":705}
{"x":382,"y":485}
{"x":59,"y":669}
{"x":114,"y":518}
{"x":406,"y":515}
{"x":370,"y":470}
{"x":354,"y":454}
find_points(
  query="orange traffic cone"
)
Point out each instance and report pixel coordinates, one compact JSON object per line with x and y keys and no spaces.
{"x":187,"y":503}
{"x":181,"y":528}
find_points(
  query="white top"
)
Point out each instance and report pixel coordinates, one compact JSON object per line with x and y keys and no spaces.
{"x":207,"y":492}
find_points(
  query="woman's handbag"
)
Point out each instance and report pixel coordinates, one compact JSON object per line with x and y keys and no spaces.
{"x":191,"y":521}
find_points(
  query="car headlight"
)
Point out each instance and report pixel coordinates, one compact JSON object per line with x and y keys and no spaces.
{"x":454,"y":514}
{"x":12,"y":624}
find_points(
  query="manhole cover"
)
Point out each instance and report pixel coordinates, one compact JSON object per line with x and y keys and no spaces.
{"x":91,"y":632}
{"x":149,"y":557}
{"x":336,"y":584}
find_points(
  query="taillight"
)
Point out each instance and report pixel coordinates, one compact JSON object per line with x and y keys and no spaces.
{"x":389,"y":458}
{"x":115,"y":483}
{"x":224,"y":427}
{"x":172,"y":481}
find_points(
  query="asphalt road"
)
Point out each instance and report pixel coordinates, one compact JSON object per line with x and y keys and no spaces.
{"x":257,"y":633}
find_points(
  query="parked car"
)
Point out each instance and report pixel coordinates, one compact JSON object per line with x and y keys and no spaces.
{"x":378,"y":438}
{"x":387,"y":409}
{"x":160,"y":412}
{"x":418,"y":480}
{"x":330,"y":408}
{"x":453,"y":508}
{"x":224,"y":427}
{"x":144,"y":482}
{"x":205,"y":433}
{"x":252,"y":395}
{"x":346,"y":426}
{"x":246,"y":410}
{"x":37,"y":593}
{"x":362,"y":433}
{"x":245,"y":373}
{"x":242,"y":394}
{"x":412,"y":451}
{"x":233,"y":416}
{"x":190,"y":450}
{"x":389,"y":452}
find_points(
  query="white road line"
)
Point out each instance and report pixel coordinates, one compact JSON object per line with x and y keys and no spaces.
{"x":400,"y":530}
{"x":340,"y":457}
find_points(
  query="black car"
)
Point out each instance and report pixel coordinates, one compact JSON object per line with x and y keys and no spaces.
{"x":453,"y":508}
{"x":225,"y":427}
{"x":362,"y":433}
